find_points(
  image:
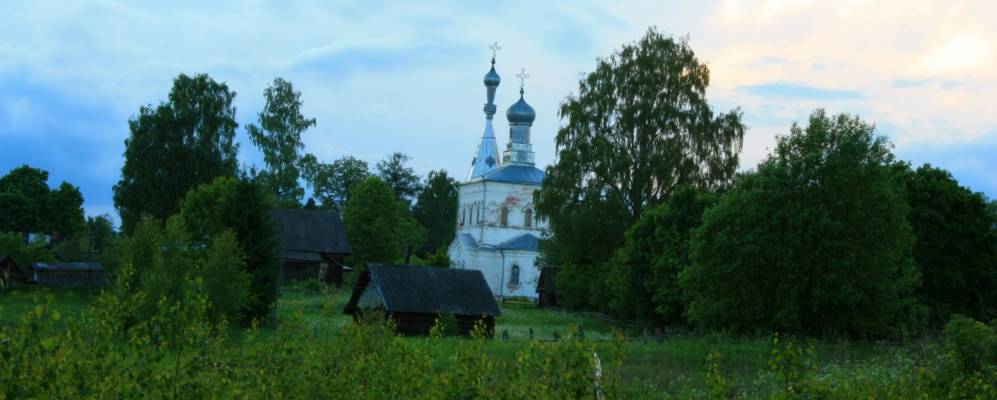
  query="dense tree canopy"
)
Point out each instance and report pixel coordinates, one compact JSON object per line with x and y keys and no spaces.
{"x":331,"y":183}
{"x":402,"y":179}
{"x":816,"y":241}
{"x":27,"y":205}
{"x":643,"y":281}
{"x":173,"y":147}
{"x":639,"y":127}
{"x":380,"y":227}
{"x":279,"y":138}
{"x":436,"y":210}
{"x":242,"y":207}
{"x":956,"y":248}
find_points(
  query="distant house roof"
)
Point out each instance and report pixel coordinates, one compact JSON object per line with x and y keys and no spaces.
{"x":516,"y":173}
{"x":430,"y":290}
{"x":305,"y":234}
{"x":71,"y":266}
{"x":525,"y":241}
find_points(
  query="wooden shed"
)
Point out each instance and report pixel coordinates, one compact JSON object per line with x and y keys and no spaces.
{"x":68,"y":275}
{"x":313,"y":245}
{"x":10,"y":272}
{"x":546,"y":295}
{"x":414,"y":297}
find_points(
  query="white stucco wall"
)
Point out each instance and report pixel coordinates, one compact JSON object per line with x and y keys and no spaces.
{"x":479,"y":214}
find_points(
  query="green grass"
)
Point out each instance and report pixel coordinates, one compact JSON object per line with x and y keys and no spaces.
{"x":669,"y":365}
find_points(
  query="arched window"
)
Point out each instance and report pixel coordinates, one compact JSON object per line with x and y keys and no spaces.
{"x":504,"y":218}
{"x":478,"y":217}
{"x":463,"y":212}
{"x":514,"y":275}
{"x":528,"y":218}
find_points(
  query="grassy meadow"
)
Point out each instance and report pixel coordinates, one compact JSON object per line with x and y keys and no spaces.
{"x":680,"y":365}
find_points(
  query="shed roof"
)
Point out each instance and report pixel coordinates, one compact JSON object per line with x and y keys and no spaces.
{"x":310,"y":231}
{"x":69,"y":266}
{"x":431,"y":290}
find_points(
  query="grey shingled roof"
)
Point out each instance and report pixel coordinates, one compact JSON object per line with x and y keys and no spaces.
{"x":431,"y":290}
{"x":310,"y":231}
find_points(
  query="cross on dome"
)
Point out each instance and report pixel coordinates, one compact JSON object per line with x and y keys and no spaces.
{"x":522,"y":79}
{"x":495,"y":48}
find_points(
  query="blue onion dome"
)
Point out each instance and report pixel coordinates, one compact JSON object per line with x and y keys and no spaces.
{"x":520,"y":112}
{"x":492,"y":77}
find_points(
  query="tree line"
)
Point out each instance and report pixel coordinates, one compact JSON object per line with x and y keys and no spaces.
{"x":829,"y":235}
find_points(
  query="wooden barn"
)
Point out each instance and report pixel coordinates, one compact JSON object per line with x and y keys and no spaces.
{"x":10,"y":272}
{"x":416,"y":296}
{"x":546,"y":295}
{"x":313,"y":245}
{"x":68,"y":275}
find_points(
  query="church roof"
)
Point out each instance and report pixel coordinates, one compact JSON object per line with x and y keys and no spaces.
{"x":428,"y":290}
{"x":516,"y":173}
{"x":525,"y":241}
{"x":467,"y":240}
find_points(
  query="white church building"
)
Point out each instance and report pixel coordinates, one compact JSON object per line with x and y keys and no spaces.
{"x":498,"y":232}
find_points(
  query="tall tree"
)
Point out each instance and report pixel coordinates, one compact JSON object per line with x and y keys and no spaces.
{"x":23,"y":196}
{"x":331,"y":183}
{"x":816,"y":241}
{"x":956,"y":248}
{"x":436,"y":210}
{"x":402,"y":179}
{"x":279,"y":138}
{"x":173,"y":147}
{"x":27,"y":205}
{"x":380,"y":226}
{"x":638,"y":127}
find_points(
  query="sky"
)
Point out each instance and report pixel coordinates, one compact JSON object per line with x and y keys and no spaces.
{"x":381,"y":77}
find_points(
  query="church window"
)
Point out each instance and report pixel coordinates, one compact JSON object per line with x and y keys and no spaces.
{"x":504,"y":217}
{"x":514,"y":275}
{"x":463,"y":212}
{"x":528,"y":218}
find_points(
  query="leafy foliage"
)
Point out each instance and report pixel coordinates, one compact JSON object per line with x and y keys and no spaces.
{"x":639,"y":127}
{"x":13,"y":245}
{"x":175,"y":146}
{"x":817,"y":241}
{"x":27,"y":205}
{"x":643,"y":281}
{"x":379,"y":226}
{"x":402,"y":179}
{"x":333,"y":183}
{"x":956,"y":248}
{"x":242,"y":207}
{"x":436,"y":210}
{"x":279,"y":138}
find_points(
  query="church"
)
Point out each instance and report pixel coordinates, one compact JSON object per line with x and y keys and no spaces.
{"x":498,"y":232}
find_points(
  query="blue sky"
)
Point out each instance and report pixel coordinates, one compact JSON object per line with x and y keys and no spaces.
{"x":392,"y":76}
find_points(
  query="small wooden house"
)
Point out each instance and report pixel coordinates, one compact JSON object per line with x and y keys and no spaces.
{"x":10,"y":272}
{"x":68,"y":275}
{"x":313,"y":245}
{"x":546,"y":295}
{"x":414,"y":297}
